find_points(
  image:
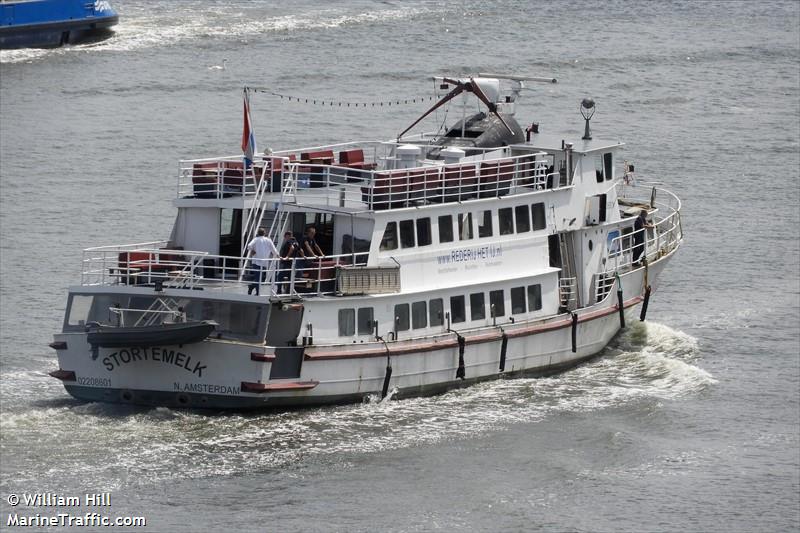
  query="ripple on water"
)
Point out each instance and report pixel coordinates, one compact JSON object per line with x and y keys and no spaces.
{"x":112,"y":445}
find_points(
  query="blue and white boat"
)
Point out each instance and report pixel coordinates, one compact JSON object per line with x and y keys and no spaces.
{"x":49,"y":23}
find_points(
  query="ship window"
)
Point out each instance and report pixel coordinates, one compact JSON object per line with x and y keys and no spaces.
{"x":458,"y":312}
{"x":423,"y":231}
{"x":407,"y":233}
{"x":226,"y":222}
{"x":598,"y":168}
{"x":237,"y":320}
{"x":534,"y":297}
{"x":365,"y":318}
{"x":485,"y":224}
{"x":537,"y":214}
{"x":523,"y":218}
{"x":419,"y":315}
{"x":79,"y":309}
{"x":497,"y":301}
{"x":436,"y":312}
{"x":389,"y":241}
{"x":517,"y":300}
{"x":477,"y":306}
{"x":602,"y":207}
{"x":506,"y":218}
{"x":347,"y":322}
{"x":446,"y":228}
{"x":608,"y":164}
{"x":84,"y":308}
{"x":401,"y":317}
{"x":464,"y":226}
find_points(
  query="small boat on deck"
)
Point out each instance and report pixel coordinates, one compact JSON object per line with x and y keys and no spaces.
{"x":479,"y":251}
{"x":52,"y":23}
{"x":177,"y":333}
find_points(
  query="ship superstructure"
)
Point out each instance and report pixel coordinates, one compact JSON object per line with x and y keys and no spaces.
{"x":487,"y":250}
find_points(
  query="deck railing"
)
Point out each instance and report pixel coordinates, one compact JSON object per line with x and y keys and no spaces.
{"x":152,"y":264}
{"x":568,"y":293}
{"x":665,"y":211}
{"x":371,"y":183}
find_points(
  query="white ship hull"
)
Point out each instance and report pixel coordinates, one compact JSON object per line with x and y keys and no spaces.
{"x":442,"y":260}
{"x":221,"y":375}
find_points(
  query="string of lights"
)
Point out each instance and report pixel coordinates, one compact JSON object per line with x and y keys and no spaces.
{"x":339,"y":103}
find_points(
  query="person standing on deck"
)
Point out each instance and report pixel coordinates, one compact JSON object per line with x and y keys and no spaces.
{"x":311,"y":250}
{"x":261,"y":250}
{"x":309,"y":244}
{"x":290,"y":250}
{"x":639,"y":235}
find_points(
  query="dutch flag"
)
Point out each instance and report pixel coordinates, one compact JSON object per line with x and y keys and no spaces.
{"x":248,"y":137}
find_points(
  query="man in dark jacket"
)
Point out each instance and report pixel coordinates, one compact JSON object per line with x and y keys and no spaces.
{"x":290,"y":251}
{"x":639,"y":236}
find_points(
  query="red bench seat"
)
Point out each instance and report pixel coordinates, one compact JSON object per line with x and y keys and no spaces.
{"x":354,"y":159}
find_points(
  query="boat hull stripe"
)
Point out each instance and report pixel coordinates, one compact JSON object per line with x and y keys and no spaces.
{"x":260,"y":388}
{"x":317,"y":355}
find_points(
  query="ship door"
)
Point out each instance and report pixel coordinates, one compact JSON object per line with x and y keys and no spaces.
{"x":230,"y":234}
{"x":282,"y":332}
{"x":562,"y":255}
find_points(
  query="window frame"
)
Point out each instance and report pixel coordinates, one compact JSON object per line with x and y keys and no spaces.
{"x":518,"y":291}
{"x":462,"y":218}
{"x":463,"y":309}
{"x":347,"y":325}
{"x":402,"y":312}
{"x":485,"y":228}
{"x":538,"y":208}
{"x":416,"y":314}
{"x":422,"y":236}
{"x":407,"y":226}
{"x":383,"y":247}
{"x":499,"y":305}
{"x":522,"y":209}
{"x":438,"y":318}
{"x":509,"y":219}
{"x":534,"y":294}
{"x":360,"y":321}
{"x":448,"y":231}
{"x":477,"y":301}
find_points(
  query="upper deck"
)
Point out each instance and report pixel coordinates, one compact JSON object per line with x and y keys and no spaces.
{"x":375,"y":176}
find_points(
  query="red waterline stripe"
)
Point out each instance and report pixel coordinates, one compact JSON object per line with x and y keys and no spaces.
{"x":248,"y":386}
{"x":475,"y":339}
{"x":63,"y":375}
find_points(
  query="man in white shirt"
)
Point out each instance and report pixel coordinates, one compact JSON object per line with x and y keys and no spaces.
{"x":261,"y":250}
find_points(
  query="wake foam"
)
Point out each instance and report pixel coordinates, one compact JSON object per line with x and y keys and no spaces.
{"x":149,"y":28}
{"x":112,"y":445}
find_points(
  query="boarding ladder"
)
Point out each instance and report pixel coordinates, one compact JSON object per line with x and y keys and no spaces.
{"x":256,"y":211}
{"x":280,"y":218}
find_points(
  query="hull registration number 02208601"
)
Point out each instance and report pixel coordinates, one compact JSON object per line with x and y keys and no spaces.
{"x":95,"y":382}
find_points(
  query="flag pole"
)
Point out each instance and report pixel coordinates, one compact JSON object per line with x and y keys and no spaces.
{"x":248,"y":135}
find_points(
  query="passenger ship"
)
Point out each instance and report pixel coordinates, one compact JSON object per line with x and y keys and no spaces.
{"x":482,"y":252}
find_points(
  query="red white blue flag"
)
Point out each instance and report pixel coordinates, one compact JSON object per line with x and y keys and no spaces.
{"x":248,"y":136}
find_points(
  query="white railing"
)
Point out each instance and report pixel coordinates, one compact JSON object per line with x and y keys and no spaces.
{"x":370,"y":182}
{"x":151,"y":265}
{"x":257,"y":206}
{"x":568,"y":292}
{"x":623,"y":252}
{"x":219,"y":177}
{"x":484,"y":178}
{"x":603,"y":283}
